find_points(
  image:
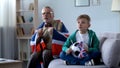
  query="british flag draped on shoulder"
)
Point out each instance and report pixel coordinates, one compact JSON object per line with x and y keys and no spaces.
{"x":33,"y":43}
{"x":60,"y":34}
{"x":58,"y":40}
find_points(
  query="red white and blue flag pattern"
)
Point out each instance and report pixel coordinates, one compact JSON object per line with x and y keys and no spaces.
{"x":58,"y":39}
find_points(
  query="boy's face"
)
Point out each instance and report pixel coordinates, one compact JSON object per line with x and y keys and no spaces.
{"x":83,"y":24}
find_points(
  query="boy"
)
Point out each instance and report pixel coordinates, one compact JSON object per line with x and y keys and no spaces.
{"x":86,"y":36}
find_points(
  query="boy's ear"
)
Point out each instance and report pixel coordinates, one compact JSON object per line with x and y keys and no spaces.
{"x":89,"y":25}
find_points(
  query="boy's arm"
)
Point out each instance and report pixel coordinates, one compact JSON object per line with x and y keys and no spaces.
{"x":95,"y":44}
{"x":66,"y":45}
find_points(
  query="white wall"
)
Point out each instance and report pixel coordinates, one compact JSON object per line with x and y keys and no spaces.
{"x":103,"y":19}
{"x":0,"y":24}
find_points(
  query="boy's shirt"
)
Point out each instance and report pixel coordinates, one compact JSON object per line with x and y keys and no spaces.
{"x":82,"y":37}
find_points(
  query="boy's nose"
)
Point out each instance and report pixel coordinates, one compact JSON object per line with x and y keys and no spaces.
{"x":80,"y":24}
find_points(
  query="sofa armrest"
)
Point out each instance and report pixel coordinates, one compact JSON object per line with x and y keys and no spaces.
{"x":110,"y":52}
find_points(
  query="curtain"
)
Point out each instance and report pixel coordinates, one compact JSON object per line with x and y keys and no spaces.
{"x":8,"y":44}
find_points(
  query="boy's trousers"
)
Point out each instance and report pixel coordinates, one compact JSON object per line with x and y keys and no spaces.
{"x":73,"y":61}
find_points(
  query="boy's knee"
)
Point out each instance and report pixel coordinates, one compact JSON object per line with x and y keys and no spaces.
{"x":62,"y":55}
{"x":95,"y":54}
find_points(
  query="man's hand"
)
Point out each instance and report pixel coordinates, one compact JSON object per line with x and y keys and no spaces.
{"x":40,"y":32}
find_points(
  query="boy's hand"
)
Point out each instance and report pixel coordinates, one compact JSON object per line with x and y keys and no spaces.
{"x":69,"y":50}
{"x":86,"y":47}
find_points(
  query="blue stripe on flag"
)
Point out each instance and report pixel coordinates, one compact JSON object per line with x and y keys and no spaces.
{"x":58,"y":36}
{"x":41,"y":25}
{"x":64,"y":30}
{"x":33,"y":37}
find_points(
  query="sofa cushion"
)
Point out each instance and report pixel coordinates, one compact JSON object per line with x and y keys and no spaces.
{"x":101,"y":39}
{"x":110,"y":35}
{"x":110,"y":52}
{"x":58,"y":63}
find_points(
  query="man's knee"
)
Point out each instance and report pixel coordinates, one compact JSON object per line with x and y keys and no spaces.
{"x":47,"y":53}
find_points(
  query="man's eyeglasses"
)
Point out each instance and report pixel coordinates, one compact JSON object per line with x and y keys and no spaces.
{"x":48,"y":13}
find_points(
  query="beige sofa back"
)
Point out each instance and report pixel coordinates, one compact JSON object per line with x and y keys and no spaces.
{"x":110,"y":46}
{"x":110,"y":35}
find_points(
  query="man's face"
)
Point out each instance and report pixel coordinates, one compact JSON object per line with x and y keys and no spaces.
{"x":47,"y":15}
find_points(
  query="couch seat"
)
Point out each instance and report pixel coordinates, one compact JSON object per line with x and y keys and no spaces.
{"x":58,"y":63}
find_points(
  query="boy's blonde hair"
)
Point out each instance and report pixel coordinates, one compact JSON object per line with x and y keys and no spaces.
{"x":84,"y":16}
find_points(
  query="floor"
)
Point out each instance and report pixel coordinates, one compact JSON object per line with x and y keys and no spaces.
{"x":24,"y":64}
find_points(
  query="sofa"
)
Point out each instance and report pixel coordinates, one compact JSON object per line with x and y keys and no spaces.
{"x":110,"y":50}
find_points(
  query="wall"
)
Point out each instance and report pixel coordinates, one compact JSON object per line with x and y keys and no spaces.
{"x":103,"y":19}
{"x":0,"y":42}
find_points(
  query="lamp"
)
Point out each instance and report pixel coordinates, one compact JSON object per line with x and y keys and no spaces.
{"x":115,"y":5}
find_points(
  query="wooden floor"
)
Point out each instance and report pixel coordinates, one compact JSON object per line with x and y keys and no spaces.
{"x":24,"y":64}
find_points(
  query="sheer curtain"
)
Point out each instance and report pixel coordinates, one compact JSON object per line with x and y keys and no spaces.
{"x":8,"y":46}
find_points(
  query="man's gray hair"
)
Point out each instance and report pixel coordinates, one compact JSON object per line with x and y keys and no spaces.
{"x":49,"y":8}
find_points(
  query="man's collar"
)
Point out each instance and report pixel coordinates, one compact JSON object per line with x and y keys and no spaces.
{"x":48,"y":24}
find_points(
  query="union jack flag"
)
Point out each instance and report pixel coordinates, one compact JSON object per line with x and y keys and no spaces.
{"x":82,"y":50}
{"x":58,"y":39}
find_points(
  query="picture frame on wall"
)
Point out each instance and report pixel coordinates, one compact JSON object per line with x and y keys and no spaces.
{"x":95,"y":2}
{"x":82,"y":3}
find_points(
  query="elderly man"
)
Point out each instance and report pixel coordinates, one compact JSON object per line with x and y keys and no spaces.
{"x":44,"y":35}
